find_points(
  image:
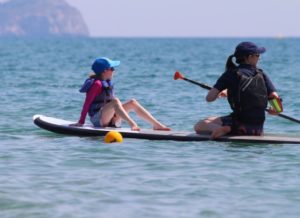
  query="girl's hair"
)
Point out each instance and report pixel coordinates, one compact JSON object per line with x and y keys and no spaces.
{"x":95,"y":76}
{"x":230,"y":65}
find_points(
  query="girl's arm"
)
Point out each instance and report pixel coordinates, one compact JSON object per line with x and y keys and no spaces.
{"x":90,"y":96}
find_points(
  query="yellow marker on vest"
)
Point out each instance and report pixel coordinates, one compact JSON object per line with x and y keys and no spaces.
{"x":113,"y":136}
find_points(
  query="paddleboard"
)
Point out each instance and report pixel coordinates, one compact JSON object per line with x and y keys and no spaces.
{"x":62,"y":127}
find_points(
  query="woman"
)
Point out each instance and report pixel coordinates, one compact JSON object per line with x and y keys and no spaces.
{"x":248,"y":89}
{"x":103,"y":107}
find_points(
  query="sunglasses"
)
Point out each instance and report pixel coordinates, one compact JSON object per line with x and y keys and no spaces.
{"x":257,"y":55}
{"x":112,"y":69}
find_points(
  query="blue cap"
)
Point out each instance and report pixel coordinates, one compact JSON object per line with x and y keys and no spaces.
{"x":102,"y":64}
{"x":248,"y":48}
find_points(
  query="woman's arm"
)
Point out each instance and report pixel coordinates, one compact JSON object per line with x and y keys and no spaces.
{"x":222,"y":84}
{"x":212,"y":95}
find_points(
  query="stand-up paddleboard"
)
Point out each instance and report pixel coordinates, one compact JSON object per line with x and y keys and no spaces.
{"x":62,"y":126}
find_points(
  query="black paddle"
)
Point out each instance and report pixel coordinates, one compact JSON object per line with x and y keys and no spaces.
{"x":178,"y":75}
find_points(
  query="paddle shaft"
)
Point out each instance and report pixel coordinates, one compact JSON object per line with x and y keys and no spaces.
{"x":289,"y":118}
{"x":202,"y":85}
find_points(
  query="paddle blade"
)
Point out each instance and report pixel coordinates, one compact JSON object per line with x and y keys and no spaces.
{"x":178,"y":75}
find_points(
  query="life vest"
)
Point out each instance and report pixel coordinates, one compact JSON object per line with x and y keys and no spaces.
{"x":250,"y":99}
{"x":106,"y":95}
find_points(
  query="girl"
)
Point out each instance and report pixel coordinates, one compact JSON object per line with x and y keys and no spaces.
{"x":103,"y":107}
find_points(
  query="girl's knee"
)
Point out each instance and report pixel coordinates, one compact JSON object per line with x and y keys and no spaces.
{"x":133,"y":101}
{"x":116,"y":101}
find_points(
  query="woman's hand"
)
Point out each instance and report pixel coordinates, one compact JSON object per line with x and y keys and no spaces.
{"x":276,"y":104}
{"x":272,"y":111}
{"x":76,"y":124}
{"x":223,"y":94}
{"x":273,"y":95}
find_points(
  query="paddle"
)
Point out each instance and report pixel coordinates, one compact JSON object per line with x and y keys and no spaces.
{"x":178,"y":75}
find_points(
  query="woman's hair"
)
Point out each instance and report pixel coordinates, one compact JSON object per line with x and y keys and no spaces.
{"x":230,"y":65}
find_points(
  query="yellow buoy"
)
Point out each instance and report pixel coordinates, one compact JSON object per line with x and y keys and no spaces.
{"x":113,"y":136}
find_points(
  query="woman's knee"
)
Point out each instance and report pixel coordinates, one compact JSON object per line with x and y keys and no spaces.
{"x":198,"y":126}
{"x":202,"y":124}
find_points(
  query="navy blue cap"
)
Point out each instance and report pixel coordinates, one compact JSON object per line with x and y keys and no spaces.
{"x":248,"y":48}
{"x":102,"y":64}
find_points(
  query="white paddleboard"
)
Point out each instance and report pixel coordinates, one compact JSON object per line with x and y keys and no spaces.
{"x":62,"y":126}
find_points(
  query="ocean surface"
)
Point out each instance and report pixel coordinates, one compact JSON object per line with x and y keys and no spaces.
{"x":46,"y":175}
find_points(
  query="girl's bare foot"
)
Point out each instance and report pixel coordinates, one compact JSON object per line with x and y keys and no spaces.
{"x":161,"y":127}
{"x":220,"y":132}
{"x":135,"y":128}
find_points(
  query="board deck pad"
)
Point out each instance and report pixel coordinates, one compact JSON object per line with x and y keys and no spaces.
{"x":62,"y":127}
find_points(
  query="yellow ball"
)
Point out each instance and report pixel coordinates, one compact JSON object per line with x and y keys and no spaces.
{"x":113,"y":136}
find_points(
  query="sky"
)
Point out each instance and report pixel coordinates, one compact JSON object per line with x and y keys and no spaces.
{"x":190,"y":18}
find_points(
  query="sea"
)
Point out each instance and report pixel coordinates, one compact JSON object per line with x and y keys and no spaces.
{"x":47,"y":175}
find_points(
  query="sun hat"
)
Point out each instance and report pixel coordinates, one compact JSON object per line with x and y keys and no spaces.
{"x":102,"y":64}
{"x":248,"y":48}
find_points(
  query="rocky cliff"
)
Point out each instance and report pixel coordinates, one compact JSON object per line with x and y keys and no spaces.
{"x":36,"y":18}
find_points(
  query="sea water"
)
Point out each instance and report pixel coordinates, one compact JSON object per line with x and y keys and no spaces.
{"x":43,"y":174}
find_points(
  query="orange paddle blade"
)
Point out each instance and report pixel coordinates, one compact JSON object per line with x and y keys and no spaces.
{"x":178,"y":75}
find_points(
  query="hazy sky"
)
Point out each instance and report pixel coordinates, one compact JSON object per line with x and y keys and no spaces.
{"x":191,"y":17}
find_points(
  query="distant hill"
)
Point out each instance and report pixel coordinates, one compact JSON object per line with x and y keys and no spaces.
{"x":36,"y":18}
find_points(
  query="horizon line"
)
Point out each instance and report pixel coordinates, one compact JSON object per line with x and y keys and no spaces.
{"x":161,"y":37}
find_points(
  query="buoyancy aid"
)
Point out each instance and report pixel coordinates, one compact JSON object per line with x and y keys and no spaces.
{"x":250,"y":98}
{"x":106,"y":95}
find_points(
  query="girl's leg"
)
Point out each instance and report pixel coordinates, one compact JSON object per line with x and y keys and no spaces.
{"x":212,"y":125}
{"x":134,"y":105}
{"x":115,"y":106}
